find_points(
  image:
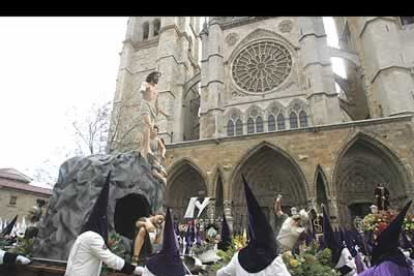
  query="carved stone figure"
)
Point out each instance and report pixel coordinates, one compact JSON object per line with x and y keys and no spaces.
{"x":149,"y":111}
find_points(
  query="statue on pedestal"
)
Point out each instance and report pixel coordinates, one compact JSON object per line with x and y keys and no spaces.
{"x":383,"y":196}
{"x":149,"y":112}
{"x":158,"y":148}
{"x":148,"y":234}
{"x":34,"y":216}
{"x":290,"y":228}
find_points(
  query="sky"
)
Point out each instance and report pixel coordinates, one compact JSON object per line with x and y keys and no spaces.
{"x":49,"y":67}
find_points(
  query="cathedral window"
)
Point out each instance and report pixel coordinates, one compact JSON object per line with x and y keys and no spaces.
{"x":145,"y":28}
{"x":303,"y":119}
{"x":293,"y":120}
{"x":259,"y":124}
{"x":407,"y":20}
{"x":262,"y":66}
{"x":280,"y":122}
{"x":250,"y":126}
{"x":157,"y":25}
{"x":271,"y":126}
{"x":239,"y":127}
{"x":230,"y":128}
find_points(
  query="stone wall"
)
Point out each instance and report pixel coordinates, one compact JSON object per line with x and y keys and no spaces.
{"x":24,"y":202}
{"x":305,"y":150}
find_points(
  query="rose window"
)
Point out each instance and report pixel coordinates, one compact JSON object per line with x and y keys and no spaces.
{"x":262,"y":66}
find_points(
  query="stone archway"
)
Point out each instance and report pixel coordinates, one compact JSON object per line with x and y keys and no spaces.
{"x":321,"y":190}
{"x":270,"y":172}
{"x":185,"y":182}
{"x":362,"y":165}
{"x":219,"y":207}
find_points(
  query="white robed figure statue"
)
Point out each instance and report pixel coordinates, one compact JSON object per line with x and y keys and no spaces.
{"x":260,"y":257}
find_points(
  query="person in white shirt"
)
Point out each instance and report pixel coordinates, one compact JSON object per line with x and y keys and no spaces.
{"x":292,"y":227}
{"x":12,"y":258}
{"x":167,"y":262}
{"x":90,"y":248}
{"x":260,"y":257}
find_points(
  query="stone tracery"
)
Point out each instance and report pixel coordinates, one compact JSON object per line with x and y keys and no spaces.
{"x":262,"y":66}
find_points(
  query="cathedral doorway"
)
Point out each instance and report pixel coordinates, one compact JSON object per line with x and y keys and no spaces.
{"x":364,"y":164}
{"x":184,"y":181}
{"x":269,"y":172}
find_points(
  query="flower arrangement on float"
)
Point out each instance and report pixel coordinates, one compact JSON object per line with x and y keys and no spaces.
{"x":310,"y":262}
{"x":376,"y":223}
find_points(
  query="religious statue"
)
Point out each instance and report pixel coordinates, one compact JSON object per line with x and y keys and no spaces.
{"x":34,"y":216}
{"x":148,"y":234}
{"x":291,"y":228}
{"x":149,"y":112}
{"x":158,"y":148}
{"x":382,"y":195}
{"x":374,"y":209}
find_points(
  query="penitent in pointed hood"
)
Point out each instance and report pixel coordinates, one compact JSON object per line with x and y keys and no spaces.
{"x":387,"y":242}
{"x":9,"y":227}
{"x":225,"y":242}
{"x":98,"y":219}
{"x":262,"y":247}
{"x":167,"y":262}
{"x":329,"y":238}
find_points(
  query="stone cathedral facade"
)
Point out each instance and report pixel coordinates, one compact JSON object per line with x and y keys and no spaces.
{"x":256,"y":96}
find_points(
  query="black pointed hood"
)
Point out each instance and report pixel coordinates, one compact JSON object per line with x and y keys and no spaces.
{"x":387,"y":242}
{"x":330,"y":239}
{"x":262,"y":247}
{"x":98,"y":219}
{"x":9,"y":227}
{"x":225,"y":242}
{"x":167,"y":262}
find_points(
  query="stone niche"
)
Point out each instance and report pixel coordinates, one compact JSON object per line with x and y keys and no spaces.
{"x":134,"y":193}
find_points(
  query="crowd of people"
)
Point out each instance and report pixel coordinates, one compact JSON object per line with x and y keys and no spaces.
{"x":390,"y":253}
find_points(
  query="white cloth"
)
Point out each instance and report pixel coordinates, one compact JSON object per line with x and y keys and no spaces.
{"x":195,"y":203}
{"x":2,"y":252}
{"x":147,"y":272}
{"x":347,"y":259}
{"x":289,"y":234}
{"x":87,"y":254}
{"x":22,"y":260}
{"x":153,"y":234}
{"x":19,"y":259}
{"x":233,"y":268}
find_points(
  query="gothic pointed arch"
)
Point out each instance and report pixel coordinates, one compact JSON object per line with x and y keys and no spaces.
{"x":361,"y":164}
{"x":270,"y":171}
{"x":191,"y":108}
{"x":185,"y":180}
{"x":218,"y":194}
{"x":322,"y":188}
{"x":298,"y":111}
{"x":253,"y":111}
{"x":234,"y":122}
